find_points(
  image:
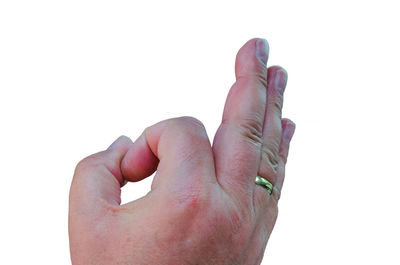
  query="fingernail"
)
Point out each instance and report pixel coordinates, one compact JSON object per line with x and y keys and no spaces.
{"x":281,"y":80}
{"x":288,"y":132}
{"x":112,"y":146}
{"x":262,"y":50}
{"x":115,"y":143}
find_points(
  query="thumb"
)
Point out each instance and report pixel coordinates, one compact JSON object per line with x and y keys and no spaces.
{"x":98,"y":178}
{"x":178,"y":148}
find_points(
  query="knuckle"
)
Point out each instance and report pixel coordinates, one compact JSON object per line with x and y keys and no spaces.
{"x":193,"y":197}
{"x":257,"y":77}
{"x":86,"y":164}
{"x":251,"y":128}
{"x":191,"y":201}
{"x":276,"y":102}
{"x":189,"y":123}
{"x":272,"y":145}
{"x":261,"y":77}
{"x":283,"y":157}
{"x":191,"y":130}
{"x":82,"y":165}
{"x":269,"y":157}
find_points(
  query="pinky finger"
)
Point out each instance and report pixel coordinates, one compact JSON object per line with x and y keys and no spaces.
{"x":288,"y":128}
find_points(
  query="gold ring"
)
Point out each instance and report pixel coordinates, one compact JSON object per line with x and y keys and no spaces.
{"x":264,"y":183}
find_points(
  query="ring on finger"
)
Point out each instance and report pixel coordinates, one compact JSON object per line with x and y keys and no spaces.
{"x":267,"y":185}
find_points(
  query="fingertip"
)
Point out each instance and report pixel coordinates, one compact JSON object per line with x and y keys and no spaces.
{"x":252,"y":58}
{"x":287,"y":121}
{"x":262,"y":50}
{"x":120,"y":142}
{"x":139,"y":161}
{"x":276,"y":69}
{"x":99,"y":175}
{"x":288,"y":129}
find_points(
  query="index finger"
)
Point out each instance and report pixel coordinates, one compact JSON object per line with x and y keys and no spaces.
{"x":238,"y":141}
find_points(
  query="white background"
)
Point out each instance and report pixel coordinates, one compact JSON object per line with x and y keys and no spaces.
{"x":74,"y":75}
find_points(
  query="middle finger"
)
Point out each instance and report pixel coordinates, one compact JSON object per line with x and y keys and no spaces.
{"x":272,"y":130}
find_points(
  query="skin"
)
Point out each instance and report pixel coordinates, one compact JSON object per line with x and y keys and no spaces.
{"x":204,"y":207}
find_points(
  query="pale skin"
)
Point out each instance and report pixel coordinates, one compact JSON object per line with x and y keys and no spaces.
{"x":204,"y":207}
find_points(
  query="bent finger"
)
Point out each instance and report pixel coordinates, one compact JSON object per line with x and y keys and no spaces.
{"x":98,"y":178}
{"x":179,"y":149}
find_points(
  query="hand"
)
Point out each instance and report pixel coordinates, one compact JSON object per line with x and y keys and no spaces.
{"x":204,"y":207}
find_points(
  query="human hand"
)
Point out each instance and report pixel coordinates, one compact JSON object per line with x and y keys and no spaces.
{"x":203,"y":207}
